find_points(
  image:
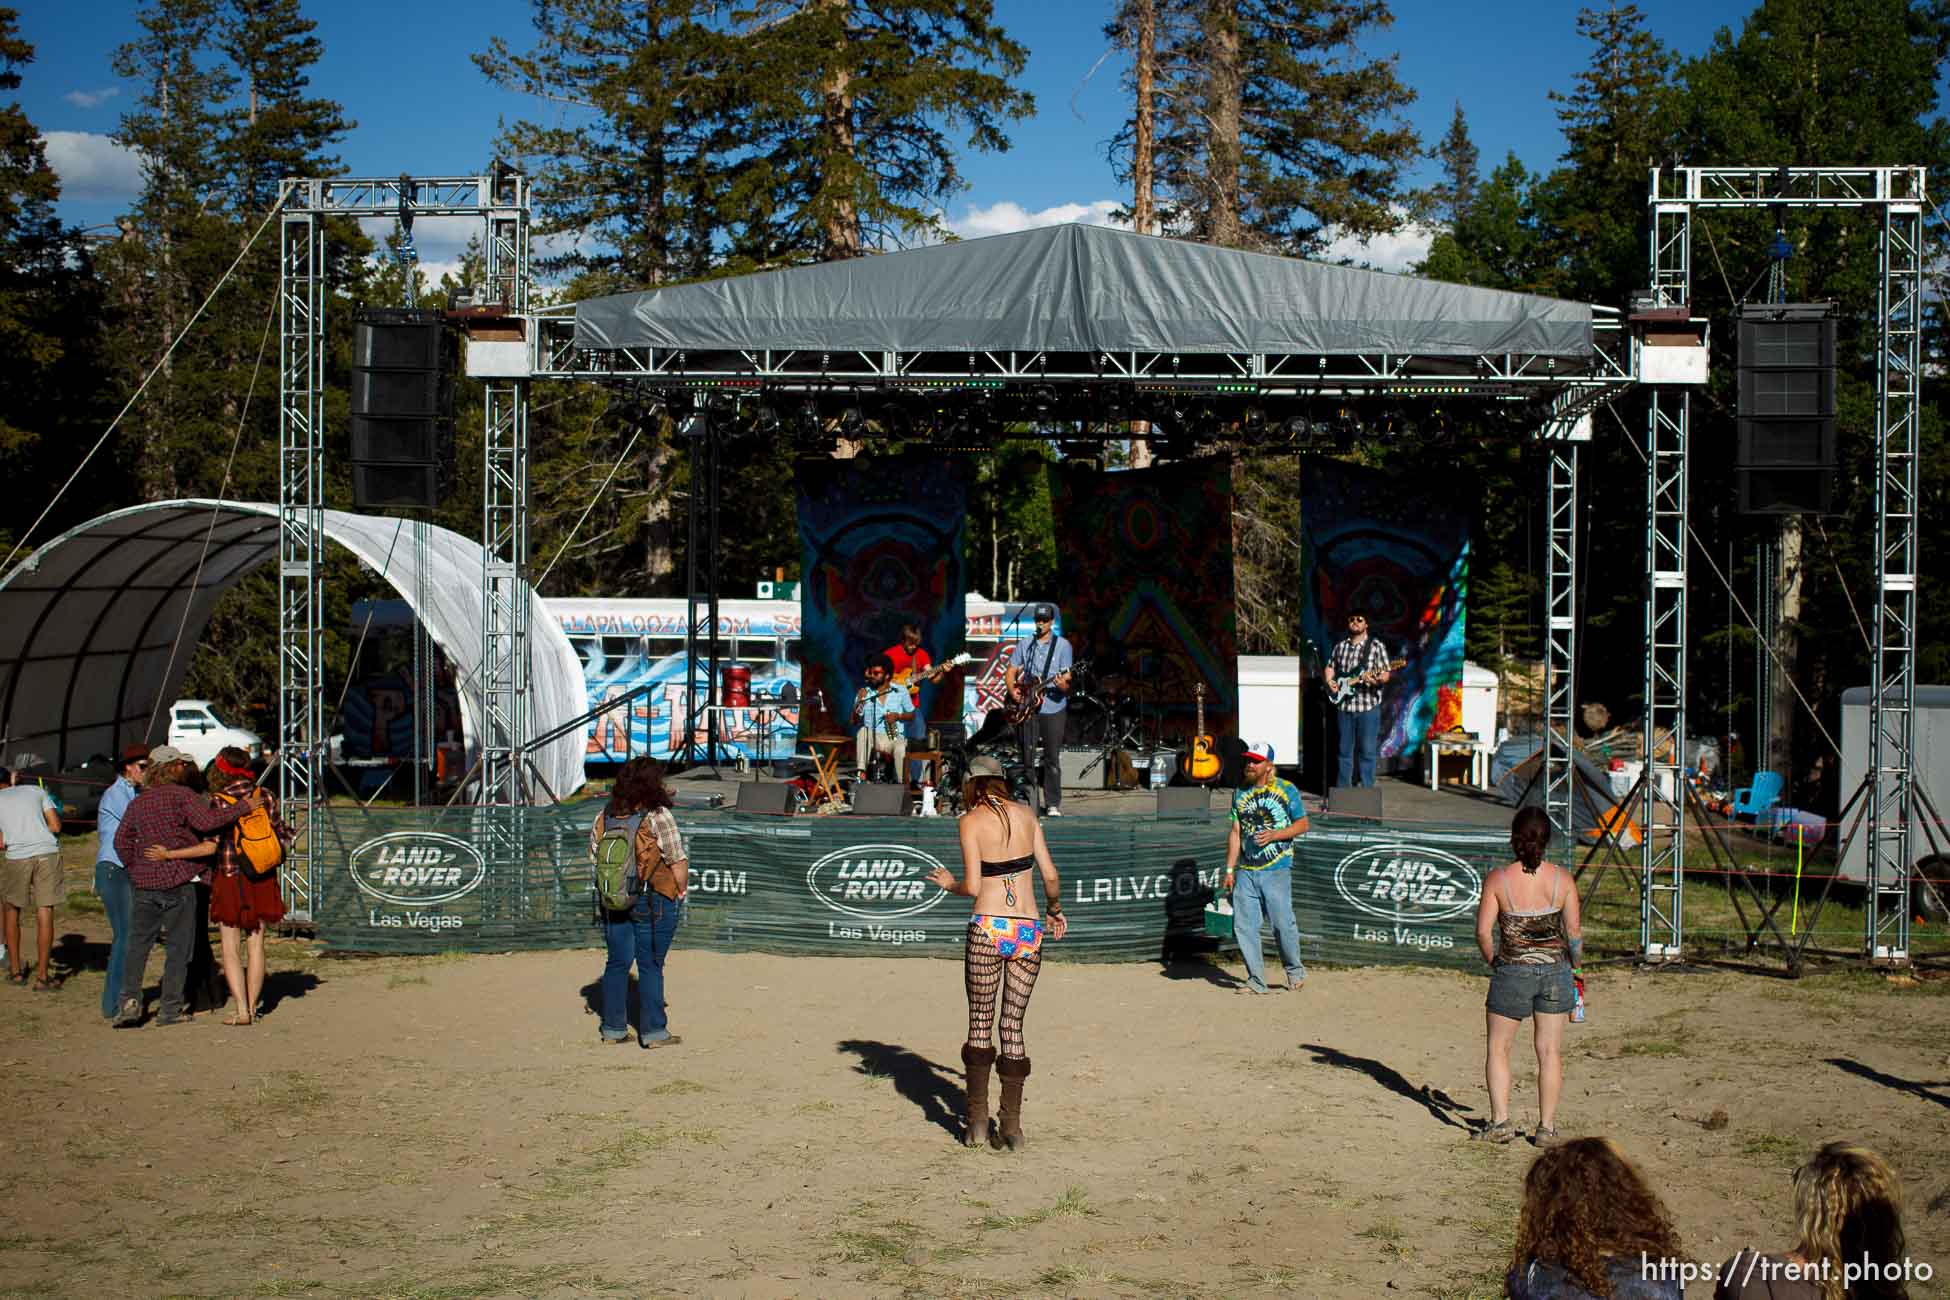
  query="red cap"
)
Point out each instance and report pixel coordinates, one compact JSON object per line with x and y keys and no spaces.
{"x":134,"y":754}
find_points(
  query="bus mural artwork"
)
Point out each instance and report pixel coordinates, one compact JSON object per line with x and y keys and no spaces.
{"x":625,"y":645}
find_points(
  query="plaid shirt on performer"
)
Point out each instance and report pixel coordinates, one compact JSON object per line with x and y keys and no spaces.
{"x":1351,"y":661}
{"x":175,"y":817}
{"x":230,"y":853}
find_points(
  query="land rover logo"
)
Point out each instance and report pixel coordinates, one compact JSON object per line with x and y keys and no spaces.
{"x":1407,"y":882}
{"x":875,"y":881}
{"x":415,"y":868}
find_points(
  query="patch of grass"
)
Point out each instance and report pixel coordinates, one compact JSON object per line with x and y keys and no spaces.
{"x":1390,"y":1235}
{"x":883,"y":1247}
{"x":85,"y":902}
{"x":401,"y":981}
{"x":1772,"y":1146}
{"x":1073,"y":1202}
{"x":820,"y":1107}
{"x":684,"y":1087}
{"x":1058,"y":1276}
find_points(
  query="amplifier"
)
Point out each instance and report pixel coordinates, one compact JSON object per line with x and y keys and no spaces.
{"x":1075,"y":759}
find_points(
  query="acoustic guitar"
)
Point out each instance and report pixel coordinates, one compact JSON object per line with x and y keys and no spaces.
{"x":1202,"y":763}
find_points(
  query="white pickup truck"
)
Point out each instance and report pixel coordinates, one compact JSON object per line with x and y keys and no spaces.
{"x":195,"y":728}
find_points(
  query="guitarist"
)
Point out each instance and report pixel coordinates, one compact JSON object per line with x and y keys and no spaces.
{"x":1360,"y":661}
{"x":911,"y":664}
{"x":1042,"y":664}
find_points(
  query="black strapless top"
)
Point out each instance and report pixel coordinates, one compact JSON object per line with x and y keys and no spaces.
{"x":1009,"y":868}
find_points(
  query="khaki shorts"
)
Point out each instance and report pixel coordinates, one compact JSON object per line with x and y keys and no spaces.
{"x":31,"y":882}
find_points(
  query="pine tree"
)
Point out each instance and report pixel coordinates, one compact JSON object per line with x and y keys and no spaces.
{"x":1274,"y":131}
{"x":1452,"y":196}
{"x":279,"y":131}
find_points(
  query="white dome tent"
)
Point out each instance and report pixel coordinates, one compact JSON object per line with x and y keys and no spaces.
{"x":97,"y":627}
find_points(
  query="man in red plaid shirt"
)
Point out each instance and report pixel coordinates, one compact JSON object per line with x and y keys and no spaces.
{"x":168,"y":813}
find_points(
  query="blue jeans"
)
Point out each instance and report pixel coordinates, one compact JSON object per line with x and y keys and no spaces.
{"x":642,"y":934}
{"x":112,"y":887}
{"x":1360,"y":738}
{"x":1268,"y":894}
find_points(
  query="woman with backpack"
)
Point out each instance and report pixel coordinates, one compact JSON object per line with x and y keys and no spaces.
{"x":637,"y":828}
{"x":244,"y":895}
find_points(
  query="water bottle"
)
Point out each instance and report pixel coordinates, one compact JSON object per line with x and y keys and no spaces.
{"x":1577,"y":999}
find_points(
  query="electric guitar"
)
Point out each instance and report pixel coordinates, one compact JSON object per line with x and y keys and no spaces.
{"x":1202,"y":764}
{"x":1028,"y":697}
{"x":1346,"y":686}
{"x":911,"y":679}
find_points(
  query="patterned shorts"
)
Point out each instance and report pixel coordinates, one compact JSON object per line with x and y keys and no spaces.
{"x":1014,"y":936}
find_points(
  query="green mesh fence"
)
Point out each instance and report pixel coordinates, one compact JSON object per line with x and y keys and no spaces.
{"x":1133,"y":888}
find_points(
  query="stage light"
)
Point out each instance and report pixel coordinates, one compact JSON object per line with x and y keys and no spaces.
{"x":764,"y":419}
{"x":852,"y":423}
{"x":1300,"y":430}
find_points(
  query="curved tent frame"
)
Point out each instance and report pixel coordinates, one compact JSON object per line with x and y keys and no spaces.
{"x":98,"y":626}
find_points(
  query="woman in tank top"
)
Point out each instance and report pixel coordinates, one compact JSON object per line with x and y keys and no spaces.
{"x":1002,"y":852}
{"x":1528,"y":929}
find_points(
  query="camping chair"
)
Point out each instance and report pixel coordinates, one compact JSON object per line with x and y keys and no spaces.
{"x":1757,"y":800}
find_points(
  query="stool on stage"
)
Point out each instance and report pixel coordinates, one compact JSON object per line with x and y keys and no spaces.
{"x":931,"y":757}
{"x":827,"y":751}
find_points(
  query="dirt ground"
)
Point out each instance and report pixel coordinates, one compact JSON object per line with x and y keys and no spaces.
{"x":451,"y":1127}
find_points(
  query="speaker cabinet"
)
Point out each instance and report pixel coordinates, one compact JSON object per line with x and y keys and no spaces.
{"x":1785,"y":461}
{"x":1185,"y":803}
{"x":771,"y":798}
{"x":872,"y":799}
{"x":402,"y":409}
{"x":1355,"y":801}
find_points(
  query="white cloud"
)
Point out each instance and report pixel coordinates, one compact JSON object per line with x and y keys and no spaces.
{"x":93,"y":166}
{"x":92,"y":98}
{"x":1006,"y":217}
{"x":1397,"y":251}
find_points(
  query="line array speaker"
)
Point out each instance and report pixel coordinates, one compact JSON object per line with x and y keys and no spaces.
{"x":402,"y":409}
{"x":1785,"y":409}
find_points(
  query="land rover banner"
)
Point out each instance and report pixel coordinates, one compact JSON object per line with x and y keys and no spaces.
{"x":1135,"y":889}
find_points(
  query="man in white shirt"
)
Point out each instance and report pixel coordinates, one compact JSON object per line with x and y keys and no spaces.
{"x":31,"y":874}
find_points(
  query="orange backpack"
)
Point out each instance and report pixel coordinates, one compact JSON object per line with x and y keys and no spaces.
{"x":257,"y":841}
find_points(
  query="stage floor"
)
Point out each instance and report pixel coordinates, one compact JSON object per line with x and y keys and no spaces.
{"x":1405,"y":801}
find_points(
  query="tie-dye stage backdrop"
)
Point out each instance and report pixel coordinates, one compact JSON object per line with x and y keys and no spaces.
{"x":1144,"y":570}
{"x":882,"y":539}
{"x":1398,"y":553}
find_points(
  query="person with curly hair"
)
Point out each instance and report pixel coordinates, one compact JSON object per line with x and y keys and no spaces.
{"x":1001,"y":844}
{"x":1848,"y":1208}
{"x":1588,"y":1229}
{"x":1529,"y":931}
{"x":640,"y":804}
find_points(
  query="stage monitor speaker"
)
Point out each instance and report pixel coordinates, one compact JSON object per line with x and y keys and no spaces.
{"x":873,"y":799}
{"x":1355,"y":801}
{"x":1185,"y":803}
{"x":773,"y":798}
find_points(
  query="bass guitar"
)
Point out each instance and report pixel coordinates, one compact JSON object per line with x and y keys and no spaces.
{"x":1028,"y":697}
{"x":1346,"y":686}
{"x":1201,"y":764}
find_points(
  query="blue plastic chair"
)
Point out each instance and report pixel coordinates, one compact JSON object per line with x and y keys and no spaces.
{"x":1757,"y":800}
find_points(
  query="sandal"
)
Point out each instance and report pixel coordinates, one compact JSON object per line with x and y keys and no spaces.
{"x":45,"y":986}
{"x":19,"y":979}
{"x":237,"y":1022}
{"x":1498,"y":1133}
{"x":1545,"y":1137}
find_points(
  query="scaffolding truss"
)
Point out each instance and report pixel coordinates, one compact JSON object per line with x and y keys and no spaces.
{"x":1898,"y":194}
{"x":501,"y":201}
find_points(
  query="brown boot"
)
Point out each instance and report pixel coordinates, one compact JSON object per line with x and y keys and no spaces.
{"x":976,"y":1062}
{"x":1013,"y":1069}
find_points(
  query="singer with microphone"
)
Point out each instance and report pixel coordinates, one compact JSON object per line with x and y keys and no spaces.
{"x":881,"y":710}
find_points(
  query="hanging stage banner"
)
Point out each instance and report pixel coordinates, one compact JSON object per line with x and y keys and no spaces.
{"x":1135,"y":889}
{"x":882,"y":541}
{"x":1401,"y":557}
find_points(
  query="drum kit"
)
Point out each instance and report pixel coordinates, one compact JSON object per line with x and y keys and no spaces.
{"x":1110,"y":708}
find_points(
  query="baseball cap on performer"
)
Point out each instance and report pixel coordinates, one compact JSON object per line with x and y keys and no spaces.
{"x":1044,"y":613}
{"x":1259,"y":752}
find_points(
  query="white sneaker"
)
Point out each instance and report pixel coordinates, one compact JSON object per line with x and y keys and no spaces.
{"x":1054,"y":812}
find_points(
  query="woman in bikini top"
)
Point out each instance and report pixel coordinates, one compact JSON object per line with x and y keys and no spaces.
{"x":1001,"y":844}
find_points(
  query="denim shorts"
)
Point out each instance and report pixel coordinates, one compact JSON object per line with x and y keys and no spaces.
{"x":1516,"y":991}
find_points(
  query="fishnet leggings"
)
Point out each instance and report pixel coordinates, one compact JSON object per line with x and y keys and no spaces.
{"x":987,"y":974}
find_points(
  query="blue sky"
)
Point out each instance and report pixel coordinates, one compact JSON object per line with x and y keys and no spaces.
{"x":404,"y":75}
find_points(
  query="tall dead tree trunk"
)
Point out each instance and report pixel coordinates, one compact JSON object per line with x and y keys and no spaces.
{"x":1225,"y":80}
{"x":840,"y":216}
{"x":1143,"y":210}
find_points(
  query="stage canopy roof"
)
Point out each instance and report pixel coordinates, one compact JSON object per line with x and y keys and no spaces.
{"x":98,"y":626}
{"x":1081,"y":288}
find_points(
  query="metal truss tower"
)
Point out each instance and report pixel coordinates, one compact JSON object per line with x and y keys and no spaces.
{"x":501,"y":201}
{"x":1898,"y":195}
